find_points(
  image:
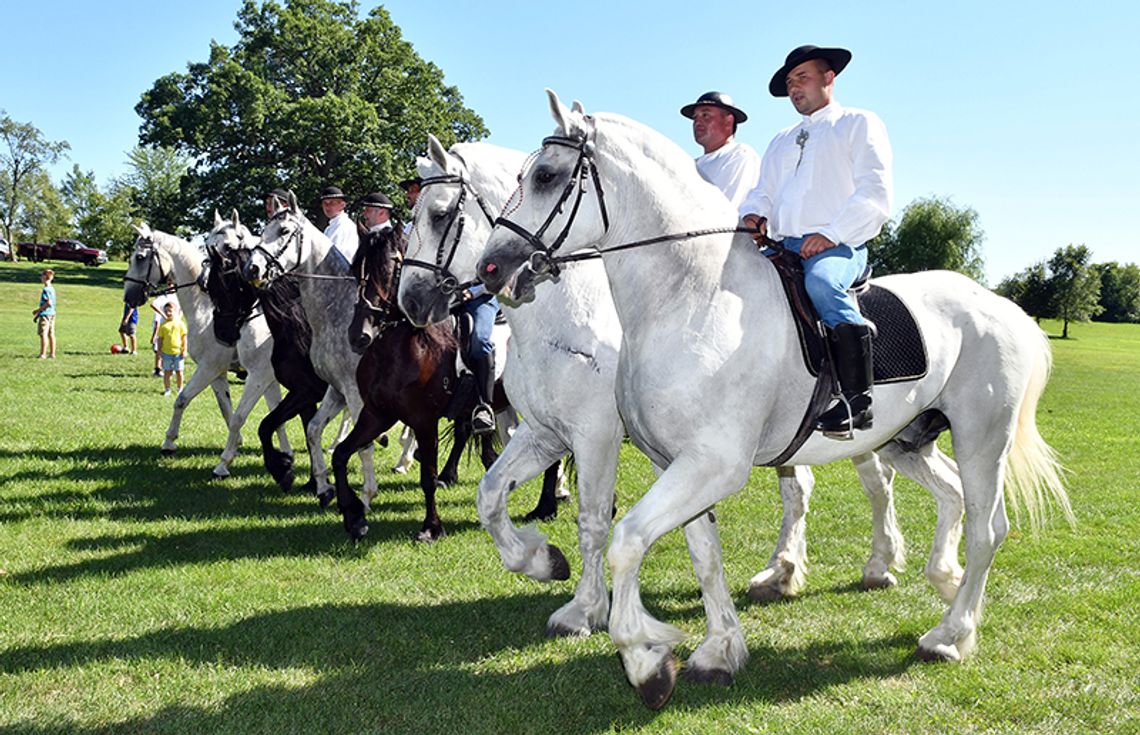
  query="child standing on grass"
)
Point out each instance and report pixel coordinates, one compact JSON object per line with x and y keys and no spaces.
{"x":127,"y":328}
{"x":45,"y":315}
{"x":172,"y":345}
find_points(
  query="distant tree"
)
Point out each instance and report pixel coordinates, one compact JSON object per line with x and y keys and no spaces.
{"x":1075,"y":286}
{"x":932,"y":234}
{"x":310,"y":95}
{"x":155,"y":178}
{"x":23,"y":153}
{"x":1030,"y":289}
{"x":44,"y":215}
{"x":1119,"y":292}
{"x":102,"y":219}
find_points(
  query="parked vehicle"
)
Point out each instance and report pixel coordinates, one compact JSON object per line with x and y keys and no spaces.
{"x":62,"y":250}
{"x":5,"y":249}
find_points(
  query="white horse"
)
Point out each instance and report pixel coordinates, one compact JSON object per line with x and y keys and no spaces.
{"x":159,"y":257}
{"x":328,"y":293}
{"x":560,"y":373}
{"x":710,"y":381}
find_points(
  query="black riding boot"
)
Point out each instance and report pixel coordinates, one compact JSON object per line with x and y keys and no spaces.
{"x":483,"y":418}
{"x":851,"y":352}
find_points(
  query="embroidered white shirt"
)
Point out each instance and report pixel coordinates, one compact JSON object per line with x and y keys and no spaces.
{"x":734,"y":168}
{"x":342,"y":232}
{"x":830,"y":174}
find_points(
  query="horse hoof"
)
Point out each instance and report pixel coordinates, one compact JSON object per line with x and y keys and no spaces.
{"x":429,"y":535}
{"x":447,"y":479}
{"x":880,"y":583}
{"x":558,"y":630}
{"x":326,"y":497}
{"x":719,"y":677}
{"x":938,"y":654}
{"x":357,"y":530}
{"x":765,"y":594}
{"x":309,"y":488}
{"x":541,"y":514}
{"x":167,"y":452}
{"x":655,"y":692}
{"x":559,"y":567}
{"x":286,"y":483}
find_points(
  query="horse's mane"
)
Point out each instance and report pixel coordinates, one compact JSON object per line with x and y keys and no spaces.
{"x":281,"y":302}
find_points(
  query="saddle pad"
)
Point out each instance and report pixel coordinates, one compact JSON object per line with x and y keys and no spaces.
{"x":898,"y":351}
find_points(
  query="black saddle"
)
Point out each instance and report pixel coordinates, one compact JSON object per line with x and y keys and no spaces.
{"x":897,"y":347}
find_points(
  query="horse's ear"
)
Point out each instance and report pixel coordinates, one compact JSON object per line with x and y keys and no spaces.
{"x":217,"y":219}
{"x":293,"y":202}
{"x":576,"y":106}
{"x":437,"y":153}
{"x":558,"y":111}
{"x":236,"y":219}
{"x":143,"y":229}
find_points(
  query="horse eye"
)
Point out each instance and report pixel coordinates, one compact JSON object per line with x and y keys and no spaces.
{"x":544,"y":176}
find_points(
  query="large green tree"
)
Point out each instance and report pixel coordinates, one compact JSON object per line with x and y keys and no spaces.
{"x":932,"y":234}
{"x":1031,"y":289}
{"x":154,"y":183}
{"x":311,"y":94}
{"x":1075,"y":286}
{"x":24,"y":154}
{"x":1119,"y":292}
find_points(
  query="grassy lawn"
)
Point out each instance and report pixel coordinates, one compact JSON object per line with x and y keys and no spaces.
{"x":139,"y":595}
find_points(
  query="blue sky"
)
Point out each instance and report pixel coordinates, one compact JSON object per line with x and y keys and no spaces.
{"x":1024,"y":111}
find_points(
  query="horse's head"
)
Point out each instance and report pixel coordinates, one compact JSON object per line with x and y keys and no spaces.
{"x":377,"y":270}
{"x":281,"y":246}
{"x":559,"y":206}
{"x":149,"y":268}
{"x":460,"y":193}
{"x":232,"y":296}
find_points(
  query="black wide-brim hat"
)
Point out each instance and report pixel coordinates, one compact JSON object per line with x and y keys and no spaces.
{"x":408,"y":183}
{"x":332,"y":192}
{"x":837,"y":58}
{"x":376,"y":199}
{"x":278,"y":194}
{"x":715,"y":99}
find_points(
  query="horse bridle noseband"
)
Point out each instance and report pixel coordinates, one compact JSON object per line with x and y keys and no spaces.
{"x":148,"y":250}
{"x":273,"y":267}
{"x":445,"y":280}
{"x":543,"y":260}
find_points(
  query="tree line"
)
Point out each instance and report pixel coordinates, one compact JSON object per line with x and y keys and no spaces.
{"x":312,"y":94}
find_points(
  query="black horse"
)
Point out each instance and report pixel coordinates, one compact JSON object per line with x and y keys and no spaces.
{"x":234,"y":301}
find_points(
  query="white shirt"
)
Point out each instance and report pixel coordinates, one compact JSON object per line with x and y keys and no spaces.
{"x":342,"y":232}
{"x":734,"y":168}
{"x":385,"y":225}
{"x":841,"y":188}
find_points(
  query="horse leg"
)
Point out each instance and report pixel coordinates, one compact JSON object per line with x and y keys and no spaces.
{"x":888,"y":550}
{"x":272,"y":401}
{"x":197,"y":383}
{"x":407,"y":451}
{"x":980,"y":447}
{"x":369,"y":425}
{"x":307,"y":413}
{"x":689,"y":487}
{"x":428,"y":436}
{"x":522,"y":550}
{"x":256,"y":384}
{"x":461,"y":434}
{"x":547,"y":508}
{"x":506,"y":424}
{"x":487,"y":453}
{"x":784,"y":575}
{"x":597,"y":459}
{"x":938,"y":473}
{"x":331,"y":405}
{"x":367,"y":452}
{"x":278,"y":463}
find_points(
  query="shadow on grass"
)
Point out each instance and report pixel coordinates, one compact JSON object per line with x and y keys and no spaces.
{"x":403,"y":668}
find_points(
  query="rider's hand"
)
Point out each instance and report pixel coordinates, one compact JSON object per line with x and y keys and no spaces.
{"x":814,"y":245}
{"x":757,"y":223}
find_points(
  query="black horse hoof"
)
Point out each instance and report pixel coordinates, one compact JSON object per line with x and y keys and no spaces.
{"x":541,"y":514}
{"x":357,"y":529}
{"x":167,"y":452}
{"x":326,"y":497}
{"x":655,"y":692}
{"x":429,"y":535}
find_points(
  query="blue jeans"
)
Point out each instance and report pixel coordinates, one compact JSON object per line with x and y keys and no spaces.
{"x":482,"y":310}
{"x":828,"y":275}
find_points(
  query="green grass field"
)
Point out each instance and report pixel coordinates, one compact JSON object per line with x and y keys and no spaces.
{"x":138,"y":595}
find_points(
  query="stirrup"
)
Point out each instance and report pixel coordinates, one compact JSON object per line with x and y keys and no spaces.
{"x":482,"y":419}
{"x":847,"y":434}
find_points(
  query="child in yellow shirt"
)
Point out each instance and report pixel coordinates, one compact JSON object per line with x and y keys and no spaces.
{"x":172,"y":347}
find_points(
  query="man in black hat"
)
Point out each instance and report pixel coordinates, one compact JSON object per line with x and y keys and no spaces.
{"x":275,"y":201}
{"x":411,"y":189}
{"x":825,"y":190}
{"x":732,"y":167}
{"x":377,"y":213}
{"x":341,"y":229}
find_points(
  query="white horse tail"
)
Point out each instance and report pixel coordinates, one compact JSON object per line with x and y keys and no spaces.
{"x":1033,"y":474}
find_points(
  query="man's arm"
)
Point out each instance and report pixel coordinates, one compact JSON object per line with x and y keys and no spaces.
{"x":869,"y":206}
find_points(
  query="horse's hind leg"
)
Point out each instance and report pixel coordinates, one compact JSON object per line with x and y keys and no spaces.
{"x":938,"y":473}
{"x":369,"y":425}
{"x":407,"y":451}
{"x":460,"y":435}
{"x":331,"y":405}
{"x":723,"y":652}
{"x":784,"y":575}
{"x":887,"y":546}
{"x":256,"y":384}
{"x":428,"y":437}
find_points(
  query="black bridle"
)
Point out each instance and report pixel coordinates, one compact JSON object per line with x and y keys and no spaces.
{"x":445,"y":280}
{"x":146,"y":250}
{"x":273,"y":267}
{"x":543,"y":260}
{"x":387,"y":313}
